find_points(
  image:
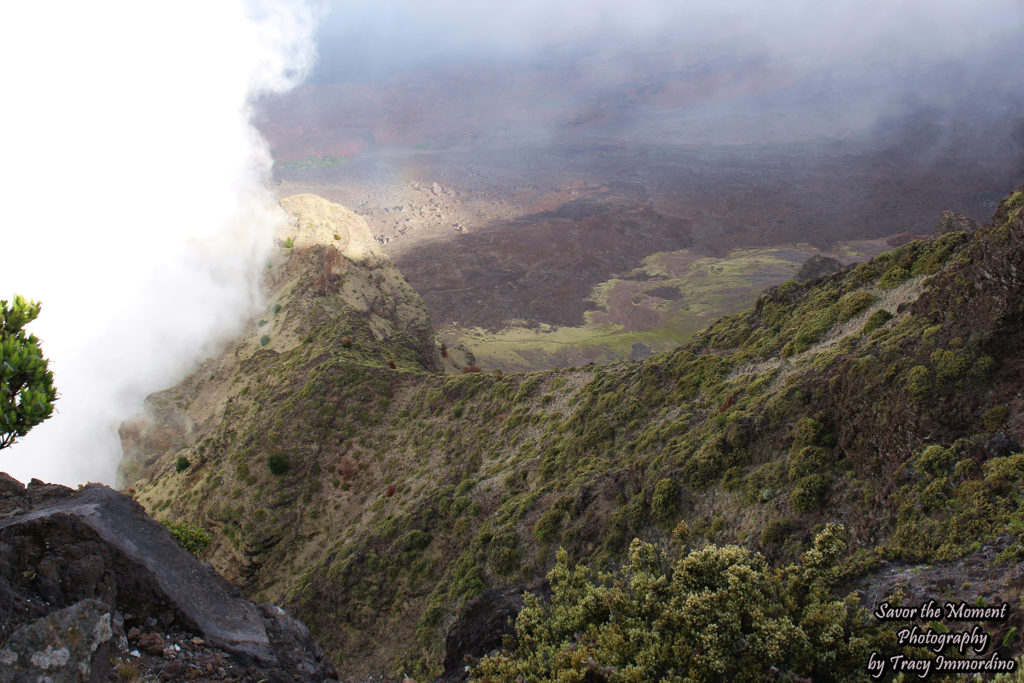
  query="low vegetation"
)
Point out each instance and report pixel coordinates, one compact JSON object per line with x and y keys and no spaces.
{"x":716,"y":613}
{"x":879,"y":398}
{"x":191,"y":537}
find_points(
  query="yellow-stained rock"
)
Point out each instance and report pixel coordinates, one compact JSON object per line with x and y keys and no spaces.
{"x":314,"y":221}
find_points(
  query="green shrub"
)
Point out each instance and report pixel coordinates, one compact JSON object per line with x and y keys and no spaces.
{"x":551,"y":462}
{"x":994,"y":417}
{"x":893,"y":277}
{"x":547,"y":525}
{"x":854,"y":303}
{"x":505,"y":554}
{"x":705,"y":465}
{"x":930,"y":262}
{"x":27,"y":393}
{"x":937,"y":253}
{"x":415,"y":540}
{"x":732,"y":479}
{"x":718,"y":525}
{"x":919,"y":382}
{"x":808,"y":492}
{"x":934,"y":460}
{"x":665,"y":501}
{"x":763,"y":483}
{"x":1005,"y":471}
{"x":191,"y":537}
{"x":635,"y":512}
{"x":950,"y":365}
{"x":876,"y":320}
{"x":935,"y":494}
{"x":278,"y":463}
{"x":807,"y":431}
{"x":264,"y":340}
{"x":777,"y":531}
{"x":716,"y":614}
{"x":965,"y":468}
{"x":181,"y":464}
{"x":807,"y":460}
{"x":526,"y":388}
{"x":983,"y":367}
{"x":802,"y":342}
{"x":289,"y":243}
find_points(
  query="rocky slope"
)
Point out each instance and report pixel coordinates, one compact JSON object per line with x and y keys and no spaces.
{"x":391,"y":506}
{"x":92,"y":589}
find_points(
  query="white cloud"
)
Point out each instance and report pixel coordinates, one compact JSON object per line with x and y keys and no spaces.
{"x":133,"y":197}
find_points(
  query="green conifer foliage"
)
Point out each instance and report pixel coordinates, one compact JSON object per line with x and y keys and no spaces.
{"x":26,"y":383}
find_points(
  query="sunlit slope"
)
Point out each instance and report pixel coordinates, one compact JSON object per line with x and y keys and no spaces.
{"x":376,"y":501}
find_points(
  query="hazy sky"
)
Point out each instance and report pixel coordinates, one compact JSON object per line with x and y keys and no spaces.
{"x":133,"y":197}
{"x":786,"y":69}
{"x":356,"y":35}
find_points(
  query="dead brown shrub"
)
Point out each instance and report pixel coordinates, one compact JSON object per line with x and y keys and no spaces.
{"x":348,"y":468}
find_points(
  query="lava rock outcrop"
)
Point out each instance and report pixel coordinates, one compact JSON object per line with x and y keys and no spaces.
{"x":85,"y":574}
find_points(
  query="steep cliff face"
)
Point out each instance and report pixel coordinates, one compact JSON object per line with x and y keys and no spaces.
{"x":340,"y":475}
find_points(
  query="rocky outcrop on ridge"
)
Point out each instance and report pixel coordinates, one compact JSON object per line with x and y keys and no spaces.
{"x":314,"y":221}
{"x":816,"y":267}
{"x":953,"y":221}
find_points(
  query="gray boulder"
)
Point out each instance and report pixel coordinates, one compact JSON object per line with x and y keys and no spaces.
{"x":70,"y":645}
{"x":62,"y":549}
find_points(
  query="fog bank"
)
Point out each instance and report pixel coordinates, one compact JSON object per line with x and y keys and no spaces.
{"x":725,"y":72}
{"x":134,"y":200}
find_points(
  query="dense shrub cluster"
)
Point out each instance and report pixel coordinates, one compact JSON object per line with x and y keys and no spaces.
{"x":718,"y":613}
{"x":966,"y":503}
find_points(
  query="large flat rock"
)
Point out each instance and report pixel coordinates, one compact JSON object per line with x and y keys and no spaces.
{"x":59,"y":546}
